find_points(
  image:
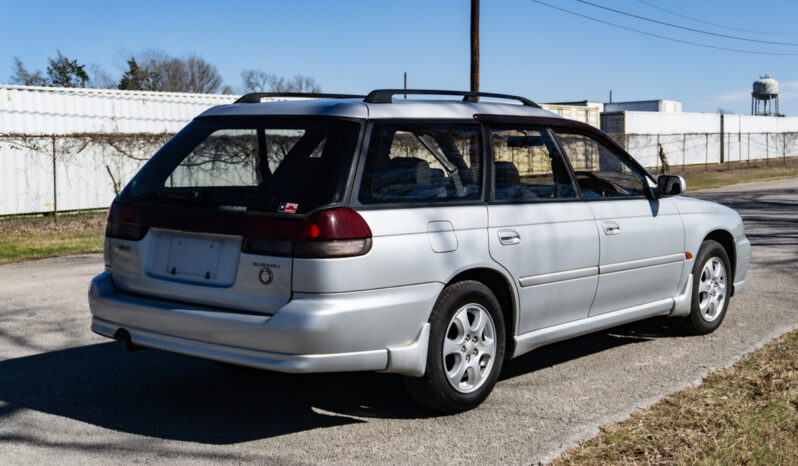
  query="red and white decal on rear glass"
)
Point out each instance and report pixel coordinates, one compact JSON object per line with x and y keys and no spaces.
{"x":288,"y":207}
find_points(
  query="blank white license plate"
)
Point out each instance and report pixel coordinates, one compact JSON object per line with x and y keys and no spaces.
{"x":193,"y":257}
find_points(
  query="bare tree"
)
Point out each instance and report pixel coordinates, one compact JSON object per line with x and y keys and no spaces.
{"x":201,"y":76}
{"x":300,"y":83}
{"x":257,"y":81}
{"x":99,"y":79}
{"x":154,"y":70}
{"x":260,"y":81}
{"x":20,"y":75}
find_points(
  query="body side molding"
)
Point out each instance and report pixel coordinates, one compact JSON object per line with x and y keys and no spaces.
{"x":537,"y":338}
{"x":640,"y":263}
{"x":558,"y":276}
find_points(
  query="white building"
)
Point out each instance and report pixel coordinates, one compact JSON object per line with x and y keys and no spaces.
{"x":663,"y":106}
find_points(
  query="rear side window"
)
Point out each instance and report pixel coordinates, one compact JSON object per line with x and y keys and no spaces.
{"x":528,"y":167}
{"x":600,"y":171}
{"x":417,"y":163}
{"x":270,"y":165}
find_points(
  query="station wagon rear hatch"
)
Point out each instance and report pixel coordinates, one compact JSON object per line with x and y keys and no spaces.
{"x":214,"y":217}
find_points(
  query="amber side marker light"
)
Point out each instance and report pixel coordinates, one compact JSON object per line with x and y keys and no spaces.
{"x":688,"y":255}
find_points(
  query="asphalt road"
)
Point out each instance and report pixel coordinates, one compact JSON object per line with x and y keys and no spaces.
{"x":69,"y":396}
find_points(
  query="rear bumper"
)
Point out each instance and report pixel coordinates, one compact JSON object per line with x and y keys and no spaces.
{"x":357,"y":331}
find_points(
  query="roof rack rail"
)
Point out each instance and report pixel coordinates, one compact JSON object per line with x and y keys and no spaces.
{"x":385,"y":96}
{"x":255,"y":97}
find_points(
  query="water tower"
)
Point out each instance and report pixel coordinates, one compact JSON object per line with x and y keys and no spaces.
{"x":766,"y":92}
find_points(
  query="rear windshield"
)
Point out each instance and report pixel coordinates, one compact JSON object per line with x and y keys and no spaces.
{"x":284,"y":165}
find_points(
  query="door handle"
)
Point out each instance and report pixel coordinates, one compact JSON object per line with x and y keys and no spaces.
{"x":508,"y":237}
{"x":612,"y":228}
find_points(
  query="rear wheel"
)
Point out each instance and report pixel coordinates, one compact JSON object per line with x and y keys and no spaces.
{"x":466,"y":349}
{"x":711,"y":289}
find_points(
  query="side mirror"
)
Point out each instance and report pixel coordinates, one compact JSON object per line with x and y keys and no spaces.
{"x":671,"y":185}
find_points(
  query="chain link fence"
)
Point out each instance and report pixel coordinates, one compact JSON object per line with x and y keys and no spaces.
{"x":661,"y":152}
{"x":41,"y":173}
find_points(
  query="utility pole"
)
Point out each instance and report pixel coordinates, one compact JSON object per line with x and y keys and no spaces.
{"x":405,"y":84}
{"x":475,"y":46}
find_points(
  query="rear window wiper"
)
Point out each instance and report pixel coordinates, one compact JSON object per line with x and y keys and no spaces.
{"x":189,"y":195}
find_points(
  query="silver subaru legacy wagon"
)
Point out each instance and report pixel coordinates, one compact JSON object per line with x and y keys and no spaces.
{"x":428,"y":238}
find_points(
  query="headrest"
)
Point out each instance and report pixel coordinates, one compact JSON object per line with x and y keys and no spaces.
{"x":412,"y":170}
{"x":506,"y":174}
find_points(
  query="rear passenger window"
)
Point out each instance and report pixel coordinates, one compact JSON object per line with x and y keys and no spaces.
{"x":600,"y":171}
{"x":415,"y":163}
{"x":528,"y":167}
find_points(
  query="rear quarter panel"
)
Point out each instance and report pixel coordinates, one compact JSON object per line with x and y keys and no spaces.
{"x":403,"y":251}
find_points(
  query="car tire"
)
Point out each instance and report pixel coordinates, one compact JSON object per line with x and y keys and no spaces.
{"x":465,"y":352}
{"x":712,"y":287}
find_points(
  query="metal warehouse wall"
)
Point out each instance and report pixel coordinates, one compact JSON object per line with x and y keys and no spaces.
{"x":57,"y":134}
{"x":49,"y":110}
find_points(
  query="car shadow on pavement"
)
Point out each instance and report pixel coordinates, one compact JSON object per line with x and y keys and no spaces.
{"x":171,"y":396}
{"x":575,"y":348}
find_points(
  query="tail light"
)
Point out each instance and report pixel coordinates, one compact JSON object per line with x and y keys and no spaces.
{"x":123,"y":222}
{"x":333,"y":233}
{"x":337,"y":232}
{"x":270,"y":236}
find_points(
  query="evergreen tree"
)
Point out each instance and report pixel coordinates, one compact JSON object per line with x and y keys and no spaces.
{"x":63,"y":72}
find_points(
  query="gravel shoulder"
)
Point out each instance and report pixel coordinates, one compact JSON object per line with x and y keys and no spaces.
{"x":70,"y":396}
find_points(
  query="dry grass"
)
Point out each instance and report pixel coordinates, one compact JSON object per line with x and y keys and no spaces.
{"x":699,"y":177}
{"x":35,"y":237}
{"x":747,"y":414}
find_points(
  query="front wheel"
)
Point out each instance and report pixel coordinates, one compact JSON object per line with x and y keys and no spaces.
{"x":466,"y":349}
{"x":711,"y":289}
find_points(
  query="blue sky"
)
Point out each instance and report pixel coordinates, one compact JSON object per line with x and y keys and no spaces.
{"x":355,"y":46}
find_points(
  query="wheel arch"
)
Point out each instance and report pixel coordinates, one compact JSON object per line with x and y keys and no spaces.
{"x":726,"y":239}
{"x":503,"y":290}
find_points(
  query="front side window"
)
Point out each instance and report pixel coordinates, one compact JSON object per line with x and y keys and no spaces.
{"x":600,"y":171}
{"x":528,"y":167}
{"x":417,"y":163}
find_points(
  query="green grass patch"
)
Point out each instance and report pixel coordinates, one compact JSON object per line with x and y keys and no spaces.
{"x":715,"y":175}
{"x":33,"y":237}
{"x":747,"y":414}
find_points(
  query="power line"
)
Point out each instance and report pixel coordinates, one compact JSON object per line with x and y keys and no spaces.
{"x":715,"y":24}
{"x":697,"y":44}
{"x":684,"y":27}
